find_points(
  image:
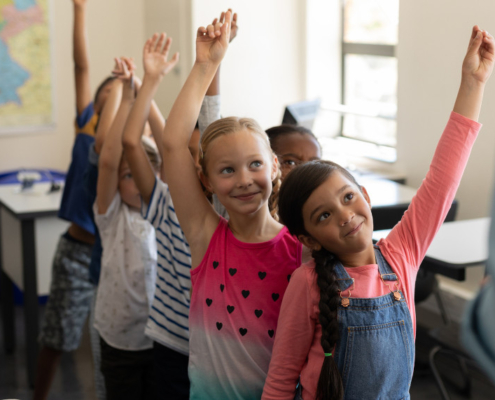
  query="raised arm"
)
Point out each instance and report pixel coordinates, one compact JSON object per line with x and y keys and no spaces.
{"x":197,"y":218}
{"x":156,"y":66}
{"x":111,"y":152}
{"x":81,"y":56}
{"x":476,"y":69}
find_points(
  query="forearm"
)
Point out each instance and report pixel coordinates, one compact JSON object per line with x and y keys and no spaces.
{"x":214,"y":87}
{"x":185,"y":110}
{"x":469,"y":98}
{"x":80,"y":38}
{"x":111,"y":151}
{"x":108,"y":114}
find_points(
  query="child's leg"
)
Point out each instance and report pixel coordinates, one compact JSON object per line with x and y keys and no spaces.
{"x":66,"y":311}
{"x":96,"y":350}
{"x":127,"y":373}
{"x":171,"y":373}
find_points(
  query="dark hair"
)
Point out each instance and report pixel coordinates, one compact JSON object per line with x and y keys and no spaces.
{"x":294,"y":192}
{"x":276,"y":132}
{"x":102,"y":85}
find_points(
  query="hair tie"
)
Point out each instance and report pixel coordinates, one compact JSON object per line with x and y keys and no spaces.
{"x":328,"y":354}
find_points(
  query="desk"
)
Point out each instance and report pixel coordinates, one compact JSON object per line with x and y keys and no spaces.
{"x":457,"y":245}
{"x":29,"y":232}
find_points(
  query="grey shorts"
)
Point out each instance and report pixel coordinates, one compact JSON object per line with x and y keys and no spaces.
{"x":70,"y":296}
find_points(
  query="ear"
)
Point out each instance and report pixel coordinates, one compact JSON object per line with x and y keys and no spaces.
{"x":274,"y":167}
{"x":205,"y":181}
{"x":309,"y":242}
{"x":366,"y":195}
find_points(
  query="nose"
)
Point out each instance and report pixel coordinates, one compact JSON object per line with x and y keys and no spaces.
{"x":346,"y":216}
{"x":244,"y":178}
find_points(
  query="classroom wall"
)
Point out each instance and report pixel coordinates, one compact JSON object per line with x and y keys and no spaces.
{"x":122,"y":24}
{"x":433,"y":37}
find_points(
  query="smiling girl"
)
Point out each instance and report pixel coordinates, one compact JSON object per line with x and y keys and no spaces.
{"x":348,"y":316}
{"x":240,"y":268}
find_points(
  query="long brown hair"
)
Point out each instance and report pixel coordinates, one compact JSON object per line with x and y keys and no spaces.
{"x":230,"y":125}
{"x":296,"y":189}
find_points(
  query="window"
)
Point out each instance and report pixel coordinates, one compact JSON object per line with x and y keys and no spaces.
{"x":369,"y":70}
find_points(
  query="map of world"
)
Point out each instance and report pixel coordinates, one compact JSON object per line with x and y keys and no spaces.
{"x":25,"y":66}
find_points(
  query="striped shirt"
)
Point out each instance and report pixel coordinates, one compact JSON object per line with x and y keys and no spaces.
{"x":168,"y":320}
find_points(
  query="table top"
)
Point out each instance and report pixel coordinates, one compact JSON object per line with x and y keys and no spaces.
{"x":34,"y":202}
{"x":457,"y":243}
{"x":386,"y":193}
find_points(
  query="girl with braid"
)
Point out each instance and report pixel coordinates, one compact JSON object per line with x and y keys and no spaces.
{"x":239,"y":268}
{"x":347,"y":323}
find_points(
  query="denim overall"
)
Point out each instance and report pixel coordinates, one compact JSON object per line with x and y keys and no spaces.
{"x":375,"y":352}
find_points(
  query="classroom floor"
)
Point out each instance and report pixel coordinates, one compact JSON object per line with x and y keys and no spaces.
{"x":74,"y":381}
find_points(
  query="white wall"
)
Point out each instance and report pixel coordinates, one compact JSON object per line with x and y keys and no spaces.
{"x":116,"y":28}
{"x":433,"y":38}
{"x":264,"y":67}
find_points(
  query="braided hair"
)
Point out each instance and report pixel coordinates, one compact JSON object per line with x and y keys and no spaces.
{"x":296,"y":189}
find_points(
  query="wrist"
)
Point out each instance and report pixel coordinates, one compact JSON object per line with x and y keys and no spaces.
{"x":152,"y":79}
{"x":470,"y":83}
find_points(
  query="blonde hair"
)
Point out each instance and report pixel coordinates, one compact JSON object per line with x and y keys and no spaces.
{"x":230,"y":125}
{"x":152,"y":152}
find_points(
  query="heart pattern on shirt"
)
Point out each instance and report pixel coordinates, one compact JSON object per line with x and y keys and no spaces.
{"x":230,"y":309}
{"x":219,"y":325}
{"x":232,"y":271}
{"x":245,"y":293}
{"x":262,"y":275}
{"x":271,"y":332}
{"x":275,"y":296}
{"x":242,"y":331}
{"x":215,"y":264}
{"x":258,"y":313}
{"x":222,"y":286}
{"x":208,"y":302}
{"x":288,"y":278}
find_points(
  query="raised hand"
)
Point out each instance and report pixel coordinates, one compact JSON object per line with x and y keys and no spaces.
{"x":124,"y":68}
{"x":155,"y":56}
{"x":234,"y":27}
{"x":212,"y":42}
{"x":480,"y":56}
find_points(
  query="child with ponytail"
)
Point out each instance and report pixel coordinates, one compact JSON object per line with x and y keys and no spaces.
{"x":348,"y":317}
{"x":240,"y":268}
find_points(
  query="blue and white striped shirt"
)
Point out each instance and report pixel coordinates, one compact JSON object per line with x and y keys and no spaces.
{"x":168,"y":322}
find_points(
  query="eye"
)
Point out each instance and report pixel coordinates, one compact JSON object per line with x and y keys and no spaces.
{"x":348,"y":197}
{"x":290,"y":163}
{"x":256,"y":164}
{"x":128,"y":176}
{"x":227,"y":170}
{"x":323,"y":216}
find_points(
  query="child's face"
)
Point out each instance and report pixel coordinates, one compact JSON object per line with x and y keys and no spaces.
{"x":127,"y":187}
{"x":240,"y":171}
{"x":338,"y":217}
{"x":296,"y":149}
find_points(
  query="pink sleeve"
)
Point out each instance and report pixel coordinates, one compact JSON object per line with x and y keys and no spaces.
{"x":295,"y":332}
{"x":412,"y":236}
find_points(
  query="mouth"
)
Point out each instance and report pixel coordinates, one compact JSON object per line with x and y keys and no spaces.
{"x":354,"y":230}
{"x":246,"y":196}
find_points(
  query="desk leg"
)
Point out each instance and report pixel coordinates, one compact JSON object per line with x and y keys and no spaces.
{"x":30,"y":296}
{"x":8,"y":319}
{"x":7,"y":300}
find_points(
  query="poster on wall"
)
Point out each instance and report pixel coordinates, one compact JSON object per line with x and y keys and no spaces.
{"x":26,"y":92}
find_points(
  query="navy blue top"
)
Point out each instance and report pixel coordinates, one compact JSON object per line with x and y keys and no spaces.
{"x":76,"y":205}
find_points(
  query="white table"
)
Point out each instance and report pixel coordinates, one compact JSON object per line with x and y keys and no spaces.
{"x":387,"y":193}
{"x":29,"y":232}
{"x":457,"y":245}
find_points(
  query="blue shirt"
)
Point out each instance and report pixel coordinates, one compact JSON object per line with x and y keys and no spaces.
{"x":76,"y":205}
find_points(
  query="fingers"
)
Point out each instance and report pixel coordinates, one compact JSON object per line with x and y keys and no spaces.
{"x":226,"y":26}
{"x":488,"y":46}
{"x":202,"y":31}
{"x":475,"y":42}
{"x":166,"y":48}
{"x":159,"y":44}
{"x":149,"y":44}
{"x":174,"y":60}
{"x":211,"y":31}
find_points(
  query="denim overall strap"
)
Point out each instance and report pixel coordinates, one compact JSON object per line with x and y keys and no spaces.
{"x":385,"y":270}
{"x":343,"y":279}
{"x":375,"y":350}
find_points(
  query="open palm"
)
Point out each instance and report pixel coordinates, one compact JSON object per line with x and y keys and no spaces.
{"x":155,"y":56}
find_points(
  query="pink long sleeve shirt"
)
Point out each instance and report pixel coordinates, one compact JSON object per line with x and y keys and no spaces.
{"x":297,"y":352}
